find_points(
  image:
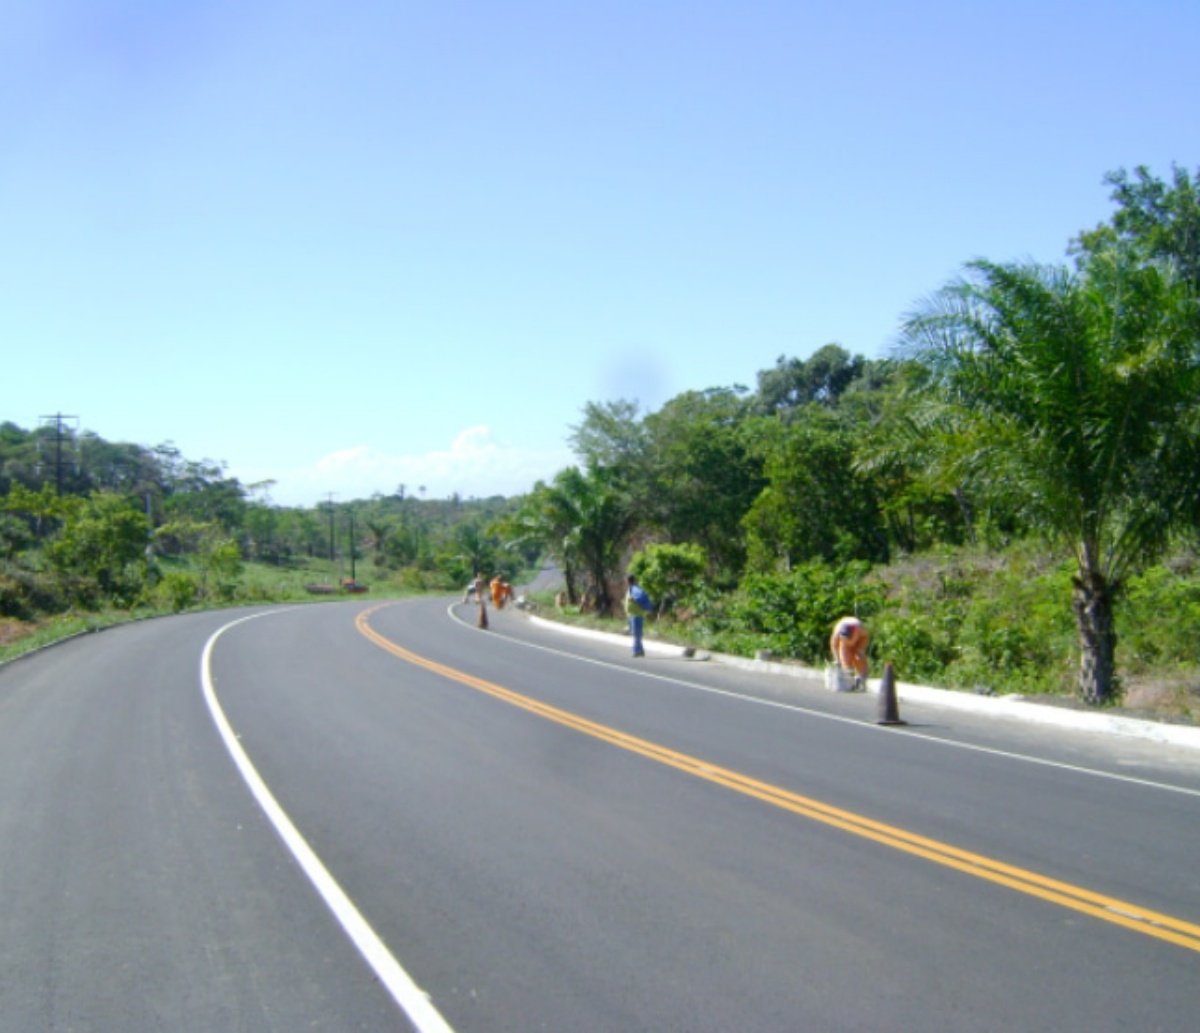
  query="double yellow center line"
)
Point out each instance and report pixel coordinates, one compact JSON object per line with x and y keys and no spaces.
{"x":1108,"y":909}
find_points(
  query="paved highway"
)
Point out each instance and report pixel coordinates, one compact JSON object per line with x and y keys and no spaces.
{"x":357,"y":816}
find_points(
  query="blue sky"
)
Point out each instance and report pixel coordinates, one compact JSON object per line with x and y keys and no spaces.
{"x":345,"y":246}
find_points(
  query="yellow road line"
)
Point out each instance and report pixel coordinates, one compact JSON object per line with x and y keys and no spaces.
{"x":1109,"y":909}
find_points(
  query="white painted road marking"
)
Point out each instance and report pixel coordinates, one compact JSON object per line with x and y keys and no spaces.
{"x":414,"y":1002}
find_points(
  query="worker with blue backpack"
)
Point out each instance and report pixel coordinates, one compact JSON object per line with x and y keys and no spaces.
{"x":637,"y":605}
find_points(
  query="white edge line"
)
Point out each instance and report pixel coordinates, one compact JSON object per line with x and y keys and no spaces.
{"x":862,"y":723}
{"x":412,"y":1000}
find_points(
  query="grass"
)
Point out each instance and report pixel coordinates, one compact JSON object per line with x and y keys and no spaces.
{"x":258,"y":583}
{"x":20,"y":637}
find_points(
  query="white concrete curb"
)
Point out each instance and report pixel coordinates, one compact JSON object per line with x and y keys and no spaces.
{"x":650,"y":645}
{"x":1001,"y":706}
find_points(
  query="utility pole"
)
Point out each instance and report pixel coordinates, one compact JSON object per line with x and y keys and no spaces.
{"x":58,"y":419}
{"x":353,"y":579}
{"x":331,"y":545}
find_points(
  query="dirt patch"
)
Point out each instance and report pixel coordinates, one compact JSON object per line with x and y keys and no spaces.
{"x":1164,"y":698}
{"x":12,"y":630}
{"x":1174,"y":700}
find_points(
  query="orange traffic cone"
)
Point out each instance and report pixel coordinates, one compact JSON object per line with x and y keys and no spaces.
{"x":482,"y":615}
{"x":889,"y":707}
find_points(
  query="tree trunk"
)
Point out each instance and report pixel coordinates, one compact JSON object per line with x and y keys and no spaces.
{"x":604,"y":600}
{"x":1092,"y":601}
{"x":968,"y":514}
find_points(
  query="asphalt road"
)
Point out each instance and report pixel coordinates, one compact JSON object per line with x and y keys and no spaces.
{"x":512,"y":830}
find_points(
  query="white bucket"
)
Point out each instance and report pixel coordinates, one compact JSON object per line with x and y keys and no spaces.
{"x":838,"y":679}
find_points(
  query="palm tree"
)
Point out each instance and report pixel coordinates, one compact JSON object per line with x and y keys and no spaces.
{"x":604,"y":519}
{"x":547,"y":522}
{"x":378,"y":531}
{"x":583,"y":521}
{"x":1076,"y":394}
{"x":474,"y":548}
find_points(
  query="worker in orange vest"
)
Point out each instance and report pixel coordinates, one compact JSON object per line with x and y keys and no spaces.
{"x":501,"y":591}
{"x":849,"y":643}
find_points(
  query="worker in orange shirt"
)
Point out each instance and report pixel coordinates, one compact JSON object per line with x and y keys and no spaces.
{"x":501,"y":590}
{"x":848,"y":644}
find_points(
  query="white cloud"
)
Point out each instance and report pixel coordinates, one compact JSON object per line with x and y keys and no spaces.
{"x":474,"y":465}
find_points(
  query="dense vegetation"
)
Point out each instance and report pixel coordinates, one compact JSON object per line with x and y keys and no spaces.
{"x":1011,"y":494}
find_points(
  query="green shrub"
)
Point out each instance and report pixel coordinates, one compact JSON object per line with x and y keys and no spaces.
{"x":969,"y":620}
{"x":793,"y":613}
{"x":100,"y":550}
{"x":1158,"y":619}
{"x":410,"y":579}
{"x":670,"y":574}
{"x":14,"y":599}
{"x":920,"y":645}
{"x":254,"y":590}
{"x":178,"y":590}
{"x":29,"y":594}
{"x":1020,"y":635}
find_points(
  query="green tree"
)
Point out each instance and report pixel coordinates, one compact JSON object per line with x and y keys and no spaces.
{"x":547,"y":519}
{"x":199,"y":491}
{"x":212,"y":550}
{"x":611,"y":436}
{"x":604,"y":521}
{"x":116,"y":466}
{"x":1076,"y":395}
{"x":821,"y":378}
{"x":220,"y":562}
{"x":260,"y":529}
{"x":378,"y":531}
{"x":815,"y":505}
{"x":923,"y":499}
{"x":471,"y":549}
{"x":44,"y":509}
{"x":21,"y":459}
{"x":303,"y":532}
{"x":104,"y":539}
{"x":403,"y":545}
{"x":1161,"y":221}
{"x":14,"y":535}
{"x":704,"y":475}
{"x":669,"y":573}
{"x":585,"y":521}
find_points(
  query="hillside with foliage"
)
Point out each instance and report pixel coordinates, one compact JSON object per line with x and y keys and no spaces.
{"x":86,"y":524}
{"x":1011,"y":499}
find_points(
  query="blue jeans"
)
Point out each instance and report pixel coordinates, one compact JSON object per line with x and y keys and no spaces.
{"x":635,"y":629}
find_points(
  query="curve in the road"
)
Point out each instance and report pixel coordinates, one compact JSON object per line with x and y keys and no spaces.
{"x":1131,"y":916}
{"x":404,"y":991}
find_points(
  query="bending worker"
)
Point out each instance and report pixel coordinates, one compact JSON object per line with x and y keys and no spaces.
{"x":848,"y":645}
